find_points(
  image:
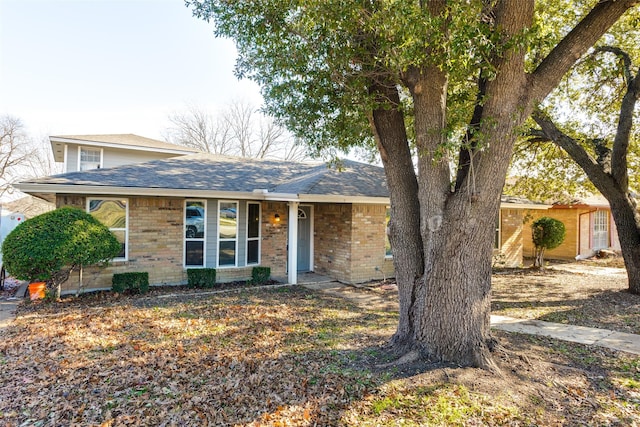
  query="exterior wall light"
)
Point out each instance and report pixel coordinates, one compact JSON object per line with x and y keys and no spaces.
{"x":276,"y":218}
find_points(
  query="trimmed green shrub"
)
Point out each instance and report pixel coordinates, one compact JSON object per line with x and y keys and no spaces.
{"x":260,"y":275}
{"x":546,"y":233}
{"x":201,"y":277}
{"x":136,"y":282}
{"x":50,"y":246}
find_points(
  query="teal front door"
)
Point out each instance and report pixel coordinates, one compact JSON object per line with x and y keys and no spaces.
{"x":304,"y":238}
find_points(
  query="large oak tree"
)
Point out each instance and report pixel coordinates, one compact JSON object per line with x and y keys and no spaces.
{"x":407,"y":75}
{"x":605,"y":160}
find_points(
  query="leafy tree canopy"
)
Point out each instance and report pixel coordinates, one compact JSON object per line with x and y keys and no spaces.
{"x":586,"y":107}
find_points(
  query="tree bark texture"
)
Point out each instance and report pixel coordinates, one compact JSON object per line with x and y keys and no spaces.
{"x":444,"y":272}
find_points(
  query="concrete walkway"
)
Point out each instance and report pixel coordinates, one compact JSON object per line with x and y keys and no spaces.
{"x":7,"y":312}
{"x":629,"y":343}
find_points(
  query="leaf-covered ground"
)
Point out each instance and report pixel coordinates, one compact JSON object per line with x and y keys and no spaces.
{"x":283,"y":357}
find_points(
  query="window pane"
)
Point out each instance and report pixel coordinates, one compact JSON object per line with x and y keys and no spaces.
{"x":253,"y":251}
{"x":89,"y":159}
{"x":227,"y":253}
{"x":194,"y":220}
{"x":228,"y":220}
{"x":194,"y":253}
{"x":87,"y":155}
{"x":253,"y":220}
{"x":387,"y":242}
{"x":121,"y":236}
{"x":112,"y":213}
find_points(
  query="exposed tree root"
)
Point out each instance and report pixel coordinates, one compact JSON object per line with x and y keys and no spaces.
{"x":410,"y":357}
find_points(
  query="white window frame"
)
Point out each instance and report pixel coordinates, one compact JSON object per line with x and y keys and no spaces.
{"x":80,"y":148}
{"x":126,"y":219}
{"x":218,"y":239}
{"x":194,"y":239}
{"x":386,"y":234}
{"x":259,"y":238}
{"x":600,"y":218}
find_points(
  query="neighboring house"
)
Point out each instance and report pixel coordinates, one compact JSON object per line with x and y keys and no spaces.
{"x":30,"y":206}
{"x":232,"y":214}
{"x":590,"y":227}
{"x":85,"y":152}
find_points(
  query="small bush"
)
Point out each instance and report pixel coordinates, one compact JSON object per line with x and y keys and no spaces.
{"x":137,"y":282}
{"x":260,"y":275}
{"x":201,"y":277}
{"x":546,"y":233}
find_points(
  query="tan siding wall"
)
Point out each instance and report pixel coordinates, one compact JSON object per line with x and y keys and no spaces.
{"x":511,"y":237}
{"x":368,"y":236}
{"x":156,"y":244}
{"x":569,"y":217}
{"x":332,"y":240}
{"x":349,"y":242}
{"x":274,"y":238}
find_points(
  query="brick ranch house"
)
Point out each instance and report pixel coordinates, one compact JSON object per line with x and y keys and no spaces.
{"x":179,"y":210}
{"x":589,"y":224}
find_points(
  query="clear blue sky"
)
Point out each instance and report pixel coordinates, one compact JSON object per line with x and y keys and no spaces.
{"x":111,"y":66}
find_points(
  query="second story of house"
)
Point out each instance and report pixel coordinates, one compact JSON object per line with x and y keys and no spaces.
{"x":85,"y":152}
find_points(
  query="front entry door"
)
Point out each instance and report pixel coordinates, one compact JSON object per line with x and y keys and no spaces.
{"x":304,"y":238}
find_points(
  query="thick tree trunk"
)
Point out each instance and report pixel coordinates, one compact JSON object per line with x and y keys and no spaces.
{"x":390,"y":133}
{"x":627,"y":222}
{"x":454,"y":307}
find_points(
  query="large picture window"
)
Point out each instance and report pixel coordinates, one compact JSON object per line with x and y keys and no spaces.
{"x":90,"y":158}
{"x":253,"y":233}
{"x":114,"y":214}
{"x":227,"y":234}
{"x":195,"y":221}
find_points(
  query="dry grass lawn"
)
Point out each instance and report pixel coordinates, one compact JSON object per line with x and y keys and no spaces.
{"x":293,"y":357}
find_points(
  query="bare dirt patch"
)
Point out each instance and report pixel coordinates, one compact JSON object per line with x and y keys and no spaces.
{"x":284,"y":357}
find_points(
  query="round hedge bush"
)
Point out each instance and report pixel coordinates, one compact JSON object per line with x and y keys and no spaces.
{"x":59,"y":240}
{"x":548,"y":233}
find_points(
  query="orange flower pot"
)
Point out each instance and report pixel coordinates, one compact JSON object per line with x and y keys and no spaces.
{"x":36,"y":290}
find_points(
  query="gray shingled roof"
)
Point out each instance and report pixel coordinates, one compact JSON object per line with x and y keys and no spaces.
{"x":233,"y":174}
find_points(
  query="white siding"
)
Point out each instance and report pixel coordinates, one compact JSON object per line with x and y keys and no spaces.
{"x":118,"y":157}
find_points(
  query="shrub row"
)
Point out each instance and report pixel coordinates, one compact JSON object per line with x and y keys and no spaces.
{"x":136,"y":282}
{"x":201,"y":277}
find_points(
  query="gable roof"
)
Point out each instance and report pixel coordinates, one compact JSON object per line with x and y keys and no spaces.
{"x":127,"y":141}
{"x":207,"y":175}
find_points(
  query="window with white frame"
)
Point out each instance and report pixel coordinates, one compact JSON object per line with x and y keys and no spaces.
{"x":195,"y":222}
{"x":600,"y":230}
{"x":253,"y":233}
{"x":113,"y":213}
{"x":90,"y":158}
{"x":227,"y":234}
{"x":387,"y":243}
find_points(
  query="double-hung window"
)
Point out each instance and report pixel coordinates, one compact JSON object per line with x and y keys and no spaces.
{"x":600,"y":230}
{"x":90,"y":158}
{"x":114,"y":213}
{"x":253,"y":233}
{"x":227,"y":234}
{"x":195,"y":223}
